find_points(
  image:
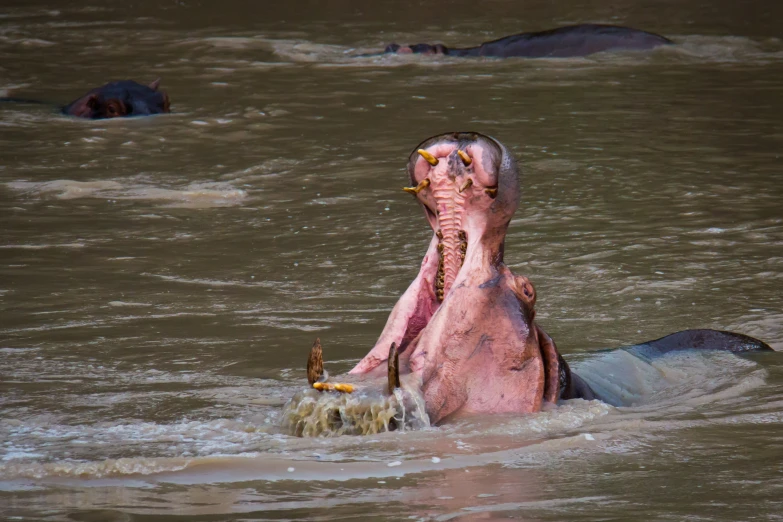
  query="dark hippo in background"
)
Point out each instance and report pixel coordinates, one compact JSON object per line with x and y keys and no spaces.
{"x":120,"y":99}
{"x":464,"y":331}
{"x":563,"y":42}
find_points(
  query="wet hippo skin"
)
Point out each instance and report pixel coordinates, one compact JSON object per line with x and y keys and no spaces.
{"x":563,"y":42}
{"x":120,"y":99}
{"x":465,"y":327}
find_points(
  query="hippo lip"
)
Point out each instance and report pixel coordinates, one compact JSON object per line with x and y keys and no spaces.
{"x":468,"y":188}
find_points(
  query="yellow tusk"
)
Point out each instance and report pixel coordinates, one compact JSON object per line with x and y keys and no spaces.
{"x":393,"y":370}
{"x":467,"y":185}
{"x":315,"y":363}
{"x":432,"y":160}
{"x":338,"y":387}
{"x":418,"y":188}
{"x":465,"y":158}
{"x":491,"y":192}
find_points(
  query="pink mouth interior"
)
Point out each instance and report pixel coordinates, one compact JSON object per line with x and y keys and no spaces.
{"x":446,"y":200}
{"x":458,"y":194}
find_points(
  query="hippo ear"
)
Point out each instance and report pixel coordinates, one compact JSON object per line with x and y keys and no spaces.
{"x":93,"y":102}
{"x":166,"y":103}
{"x":526,"y":294}
{"x":154,"y":85}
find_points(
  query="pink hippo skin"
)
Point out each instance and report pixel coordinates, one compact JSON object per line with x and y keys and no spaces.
{"x":465,"y":324}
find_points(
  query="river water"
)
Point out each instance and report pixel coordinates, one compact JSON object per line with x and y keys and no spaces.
{"x":162,"y":279}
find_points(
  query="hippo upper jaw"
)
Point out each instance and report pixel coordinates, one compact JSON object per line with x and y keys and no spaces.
{"x":467,"y":185}
{"x":465,"y":324}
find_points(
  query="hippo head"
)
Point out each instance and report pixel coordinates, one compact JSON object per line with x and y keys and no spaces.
{"x":120,"y":99}
{"x":421,"y":48}
{"x":465,"y":326}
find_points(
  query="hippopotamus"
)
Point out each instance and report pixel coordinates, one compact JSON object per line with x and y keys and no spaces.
{"x":563,"y":42}
{"x":120,"y":99}
{"x":466,"y":326}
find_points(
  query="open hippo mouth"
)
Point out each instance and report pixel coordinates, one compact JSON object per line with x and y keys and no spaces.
{"x":463,"y":331}
{"x":462,"y":338}
{"x":465,"y":324}
{"x":467,"y":185}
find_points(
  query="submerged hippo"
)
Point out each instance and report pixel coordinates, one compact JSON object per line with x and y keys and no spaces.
{"x":120,"y":99}
{"x":563,"y":42}
{"x":464,"y":331}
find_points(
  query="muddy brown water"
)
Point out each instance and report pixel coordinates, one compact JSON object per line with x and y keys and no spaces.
{"x":162,"y":279}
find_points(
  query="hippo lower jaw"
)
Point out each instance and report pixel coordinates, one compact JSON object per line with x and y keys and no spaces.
{"x":465,"y":324}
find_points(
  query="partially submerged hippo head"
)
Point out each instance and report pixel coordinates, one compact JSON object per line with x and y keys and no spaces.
{"x":120,"y":99}
{"x":466,"y":323}
{"x":464,"y":330}
{"x":462,"y":338}
{"x":421,"y":48}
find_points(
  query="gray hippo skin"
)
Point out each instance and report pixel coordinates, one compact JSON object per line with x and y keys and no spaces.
{"x":563,"y":42}
{"x":120,"y":99}
{"x":574,"y":387}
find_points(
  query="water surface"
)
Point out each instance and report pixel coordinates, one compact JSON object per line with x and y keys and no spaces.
{"x":162,"y":279}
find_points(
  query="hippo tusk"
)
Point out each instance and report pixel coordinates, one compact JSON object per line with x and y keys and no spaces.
{"x":491,"y":192}
{"x":432,"y":160}
{"x":418,"y":188}
{"x":465,"y":158}
{"x":394,"y":368}
{"x":466,"y":186}
{"x":338,"y":387}
{"x":315,"y":363}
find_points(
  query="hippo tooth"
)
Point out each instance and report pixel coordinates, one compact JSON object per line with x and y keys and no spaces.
{"x":466,"y":186}
{"x":393,"y":371}
{"x":432,"y":160}
{"x":338,"y":387}
{"x":418,"y":188}
{"x":315,"y":363}
{"x":491,"y":192}
{"x":465,"y":158}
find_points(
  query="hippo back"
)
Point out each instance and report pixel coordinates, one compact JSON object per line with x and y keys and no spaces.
{"x":575,"y":40}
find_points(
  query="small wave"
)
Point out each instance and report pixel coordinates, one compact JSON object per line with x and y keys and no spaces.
{"x":106,"y":468}
{"x":43,"y":246}
{"x":195,"y":195}
{"x":215,"y":282}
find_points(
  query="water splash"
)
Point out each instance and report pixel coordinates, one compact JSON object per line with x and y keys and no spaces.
{"x":366,"y":412}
